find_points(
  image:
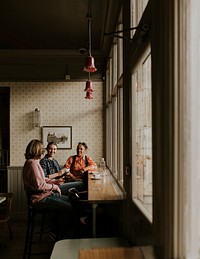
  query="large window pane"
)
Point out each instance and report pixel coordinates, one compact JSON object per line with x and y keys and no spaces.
{"x":142,"y":135}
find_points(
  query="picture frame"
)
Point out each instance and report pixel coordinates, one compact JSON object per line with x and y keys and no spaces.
{"x":61,"y":135}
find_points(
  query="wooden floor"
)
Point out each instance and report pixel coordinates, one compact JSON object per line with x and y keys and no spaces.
{"x":13,"y":249}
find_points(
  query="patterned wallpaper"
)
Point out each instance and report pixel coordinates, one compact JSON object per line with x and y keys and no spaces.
{"x":61,"y":104}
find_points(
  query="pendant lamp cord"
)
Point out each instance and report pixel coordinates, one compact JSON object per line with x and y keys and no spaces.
{"x":89,"y":17}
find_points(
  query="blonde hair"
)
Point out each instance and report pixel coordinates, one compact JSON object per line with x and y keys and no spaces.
{"x":34,"y":149}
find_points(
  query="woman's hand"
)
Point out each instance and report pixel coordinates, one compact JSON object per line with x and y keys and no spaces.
{"x":59,"y":181}
{"x":83,"y":170}
{"x":62,"y":172}
{"x":59,"y":191}
{"x":71,"y":176}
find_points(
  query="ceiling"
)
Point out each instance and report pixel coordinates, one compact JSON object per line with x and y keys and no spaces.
{"x":48,"y":39}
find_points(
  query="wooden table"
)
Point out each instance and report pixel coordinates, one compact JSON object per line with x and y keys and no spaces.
{"x":69,"y":248}
{"x":103,"y":190}
{"x":112,"y":253}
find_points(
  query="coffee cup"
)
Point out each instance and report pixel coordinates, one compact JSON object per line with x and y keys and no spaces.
{"x":96,"y":176}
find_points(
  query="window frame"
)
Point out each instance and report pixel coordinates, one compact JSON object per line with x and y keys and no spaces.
{"x":114,"y":108}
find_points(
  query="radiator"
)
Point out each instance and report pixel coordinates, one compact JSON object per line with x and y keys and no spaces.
{"x":15,"y":185}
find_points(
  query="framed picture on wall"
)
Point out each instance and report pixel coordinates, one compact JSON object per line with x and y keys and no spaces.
{"x":61,"y":135}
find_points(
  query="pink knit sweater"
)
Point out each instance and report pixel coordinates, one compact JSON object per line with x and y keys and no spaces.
{"x":34,"y":180}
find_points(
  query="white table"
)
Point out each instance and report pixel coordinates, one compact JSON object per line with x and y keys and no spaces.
{"x":69,"y":248}
{"x":2,"y":199}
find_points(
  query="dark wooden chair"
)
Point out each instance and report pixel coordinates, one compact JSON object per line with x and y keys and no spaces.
{"x":5,"y":212}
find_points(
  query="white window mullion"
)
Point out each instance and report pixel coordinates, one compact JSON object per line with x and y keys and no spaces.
{"x":192,"y":139}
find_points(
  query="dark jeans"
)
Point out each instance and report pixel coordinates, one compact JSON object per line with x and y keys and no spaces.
{"x":79,"y":185}
{"x":62,"y":211}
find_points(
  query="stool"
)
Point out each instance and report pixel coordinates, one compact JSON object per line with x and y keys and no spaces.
{"x":32,"y":213}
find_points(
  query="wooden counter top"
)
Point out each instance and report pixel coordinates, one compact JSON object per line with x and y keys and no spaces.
{"x":105,"y":189}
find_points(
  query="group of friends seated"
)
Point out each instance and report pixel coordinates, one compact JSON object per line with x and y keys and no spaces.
{"x":48,"y":184}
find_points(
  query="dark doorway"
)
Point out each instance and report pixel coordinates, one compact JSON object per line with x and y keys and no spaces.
{"x":4,"y":136}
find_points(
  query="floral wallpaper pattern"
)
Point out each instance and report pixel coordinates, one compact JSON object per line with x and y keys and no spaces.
{"x":61,"y":104}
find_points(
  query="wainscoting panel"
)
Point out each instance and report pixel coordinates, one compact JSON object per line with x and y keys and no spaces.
{"x":15,"y":185}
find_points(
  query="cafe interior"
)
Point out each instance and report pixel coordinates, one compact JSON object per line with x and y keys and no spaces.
{"x":121,"y":76}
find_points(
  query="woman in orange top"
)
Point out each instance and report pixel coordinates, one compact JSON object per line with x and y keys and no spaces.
{"x":80,"y":164}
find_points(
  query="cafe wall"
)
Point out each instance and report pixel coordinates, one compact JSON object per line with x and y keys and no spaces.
{"x":61,"y":104}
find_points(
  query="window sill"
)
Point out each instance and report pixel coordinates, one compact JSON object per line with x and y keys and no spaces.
{"x":148,"y":252}
{"x":145,"y":209}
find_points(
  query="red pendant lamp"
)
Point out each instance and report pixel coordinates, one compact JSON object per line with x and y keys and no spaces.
{"x":89,"y":95}
{"x":89,"y":65}
{"x":89,"y":90}
{"x":88,"y":87}
{"x":89,"y":61}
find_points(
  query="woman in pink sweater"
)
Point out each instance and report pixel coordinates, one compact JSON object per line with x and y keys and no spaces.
{"x":42,"y":192}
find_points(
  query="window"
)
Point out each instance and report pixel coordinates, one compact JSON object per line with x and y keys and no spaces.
{"x":142,"y":135}
{"x":136,"y":11}
{"x":114,"y":111}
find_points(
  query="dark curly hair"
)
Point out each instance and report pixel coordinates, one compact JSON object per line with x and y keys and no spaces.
{"x":83,"y":144}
